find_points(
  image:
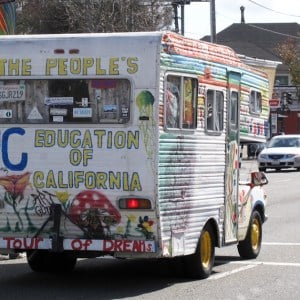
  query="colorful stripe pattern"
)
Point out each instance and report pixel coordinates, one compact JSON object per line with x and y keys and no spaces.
{"x":212,"y":63}
{"x":7,"y":18}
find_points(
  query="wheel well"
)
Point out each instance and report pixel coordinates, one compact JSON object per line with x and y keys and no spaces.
{"x":216,"y":231}
{"x":260,"y":208}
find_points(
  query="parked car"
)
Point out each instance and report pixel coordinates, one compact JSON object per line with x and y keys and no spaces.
{"x":281,"y":152}
{"x":254,"y":149}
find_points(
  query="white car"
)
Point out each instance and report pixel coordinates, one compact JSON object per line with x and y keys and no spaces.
{"x":281,"y":152}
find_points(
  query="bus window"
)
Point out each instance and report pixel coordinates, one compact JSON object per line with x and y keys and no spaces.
{"x":214,"y":111}
{"x":234,"y":100}
{"x":255,"y":102}
{"x":180,"y":102}
{"x":189,"y":103}
{"x":172,"y":101}
{"x":75,"y":101}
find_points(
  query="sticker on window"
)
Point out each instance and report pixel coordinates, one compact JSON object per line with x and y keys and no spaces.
{"x":35,"y":114}
{"x":82,"y":112}
{"x":58,"y":112}
{"x":14,"y":92}
{"x":109,"y":108}
{"x":58,"y":119}
{"x":5,"y":114}
{"x":59,"y":100}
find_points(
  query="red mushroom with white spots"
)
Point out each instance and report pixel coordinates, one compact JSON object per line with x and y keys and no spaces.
{"x":93,"y":211}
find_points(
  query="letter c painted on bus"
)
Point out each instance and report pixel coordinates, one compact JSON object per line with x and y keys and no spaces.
{"x":24,"y":156}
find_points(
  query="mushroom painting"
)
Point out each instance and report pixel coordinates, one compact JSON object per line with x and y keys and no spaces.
{"x":94,"y":212}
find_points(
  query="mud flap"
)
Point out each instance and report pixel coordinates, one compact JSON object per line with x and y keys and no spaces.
{"x":55,"y":217}
{"x":57,"y":240}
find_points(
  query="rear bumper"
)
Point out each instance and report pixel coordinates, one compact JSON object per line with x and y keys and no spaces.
{"x":107,"y":246}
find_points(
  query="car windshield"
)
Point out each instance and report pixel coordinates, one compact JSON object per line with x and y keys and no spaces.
{"x":284,"y":142}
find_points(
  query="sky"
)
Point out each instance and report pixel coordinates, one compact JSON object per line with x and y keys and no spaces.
{"x":197,"y":14}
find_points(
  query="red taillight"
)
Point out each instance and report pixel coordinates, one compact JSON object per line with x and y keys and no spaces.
{"x":134,"y":203}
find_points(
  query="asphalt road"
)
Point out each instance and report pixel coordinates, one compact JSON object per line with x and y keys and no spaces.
{"x":273,"y":275}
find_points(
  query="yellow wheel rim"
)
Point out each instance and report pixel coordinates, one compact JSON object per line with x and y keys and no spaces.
{"x":255,"y":234}
{"x":206,"y":246}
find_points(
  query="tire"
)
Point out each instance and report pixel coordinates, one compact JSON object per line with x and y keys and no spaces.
{"x":45,"y":261}
{"x":199,"y":265}
{"x":262,"y":169}
{"x":250,"y":247}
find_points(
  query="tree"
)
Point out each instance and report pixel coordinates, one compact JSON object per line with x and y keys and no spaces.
{"x":70,"y":16}
{"x":289,"y":52}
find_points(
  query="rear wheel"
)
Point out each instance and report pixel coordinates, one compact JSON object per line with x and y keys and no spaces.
{"x":45,"y":261}
{"x":250,"y":247}
{"x":199,"y":265}
{"x":262,"y":169}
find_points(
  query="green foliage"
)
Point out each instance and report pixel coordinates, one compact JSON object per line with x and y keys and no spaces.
{"x":289,"y":52}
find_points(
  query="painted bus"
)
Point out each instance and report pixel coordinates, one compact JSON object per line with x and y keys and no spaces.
{"x":127,"y":144}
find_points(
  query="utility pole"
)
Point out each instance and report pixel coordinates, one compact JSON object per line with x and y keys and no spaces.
{"x":182,"y":19}
{"x":213,"y":34}
{"x":175,"y":5}
{"x":175,"y":16}
{"x":182,"y":3}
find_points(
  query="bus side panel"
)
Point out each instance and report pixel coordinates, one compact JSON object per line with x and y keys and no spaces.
{"x":190,"y":179}
{"x":191,"y":188}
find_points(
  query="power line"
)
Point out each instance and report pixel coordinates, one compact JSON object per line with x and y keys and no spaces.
{"x":256,"y":26}
{"x":278,"y":12}
{"x":272,"y":31}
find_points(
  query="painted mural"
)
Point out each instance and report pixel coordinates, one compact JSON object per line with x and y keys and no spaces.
{"x":145,"y":102}
{"x":209,"y":62}
{"x":71,"y":180}
{"x":7,"y":18}
{"x":89,"y":209}
{"x":231,"y":191}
